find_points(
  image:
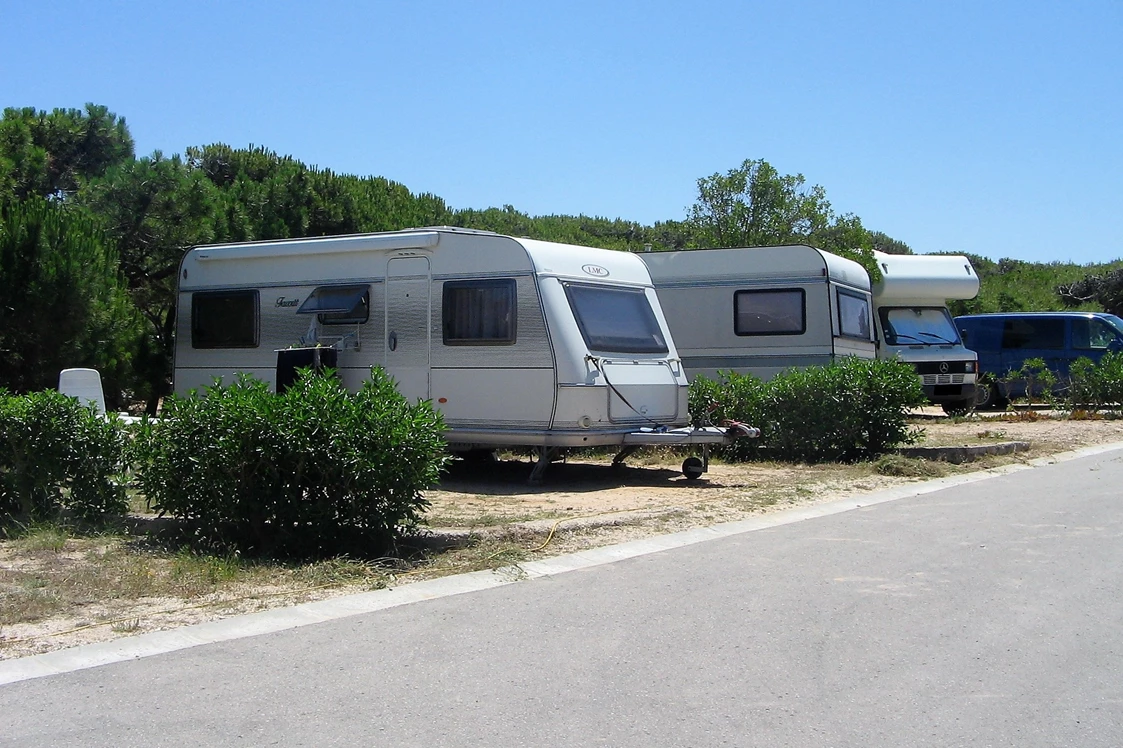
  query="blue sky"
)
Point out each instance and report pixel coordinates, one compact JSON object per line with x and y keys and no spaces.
{"x":987,"y":127}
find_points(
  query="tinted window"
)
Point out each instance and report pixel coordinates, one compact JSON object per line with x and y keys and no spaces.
{"x":617,"y":320}
{"x":479,"y":312}
{"x":853,"y":315}
{"x":1091,"y":334}
{"x":224,"y":319}
{"x":1033,"y":332}
{"x":780,"y":312}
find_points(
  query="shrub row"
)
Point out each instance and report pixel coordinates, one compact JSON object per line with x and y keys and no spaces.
{"x":852,"y":409}
{"x":1089,"y":385}
{"x":317,"y":470}
{"x":313,"y":471}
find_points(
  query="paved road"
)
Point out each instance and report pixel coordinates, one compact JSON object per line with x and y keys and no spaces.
{"x":986,"y":614}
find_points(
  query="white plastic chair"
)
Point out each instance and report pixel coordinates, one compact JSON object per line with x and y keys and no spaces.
{"x":84,"y":384}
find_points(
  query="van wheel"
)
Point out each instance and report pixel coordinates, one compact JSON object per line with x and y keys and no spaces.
{"x":692,"y":468}
{"x":987,"y":397}
{"x":959,"y":407}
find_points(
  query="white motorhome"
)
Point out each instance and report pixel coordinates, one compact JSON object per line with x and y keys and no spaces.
{"x":517,"y":342}
{"x":762,"y":310}
{"x":914,"y":325}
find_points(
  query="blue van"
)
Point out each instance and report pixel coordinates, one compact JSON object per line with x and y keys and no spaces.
{"x":1005,"y":340}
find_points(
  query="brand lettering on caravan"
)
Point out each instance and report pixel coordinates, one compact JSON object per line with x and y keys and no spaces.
{"x":596,"y":270}
{"x":283,"y":302}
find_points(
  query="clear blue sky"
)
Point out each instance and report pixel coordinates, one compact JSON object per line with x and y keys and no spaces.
{"x":987,"y":127}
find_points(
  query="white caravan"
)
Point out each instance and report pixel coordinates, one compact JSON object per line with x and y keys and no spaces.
{"x":914,"y":325}
{"x":762,"y":310}
{"x":516,"y":342}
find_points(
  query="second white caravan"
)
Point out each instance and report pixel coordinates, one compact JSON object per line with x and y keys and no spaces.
{"x":517,"y":342}
{"x":762,"y":310}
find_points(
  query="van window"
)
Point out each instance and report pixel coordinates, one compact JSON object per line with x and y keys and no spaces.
{"x":1034,"y":332}
{"x":770,"y":312}
{"x":618,"y":320}
{"x":853,"y":315}
{"x":224,"y":319}
{"x":338,"y":305}
{"x":480,"y":312}
{"x":1089,"y":333}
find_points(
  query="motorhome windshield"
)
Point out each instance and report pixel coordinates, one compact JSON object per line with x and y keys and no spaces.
{"x":618,"y":320}
{"x":918,"y":326}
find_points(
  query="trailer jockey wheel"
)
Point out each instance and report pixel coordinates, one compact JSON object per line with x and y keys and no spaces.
{"x":692,"y":468}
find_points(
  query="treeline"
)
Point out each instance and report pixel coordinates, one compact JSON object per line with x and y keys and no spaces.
{"x":91,"y":236}
{"x":1018,"y":286}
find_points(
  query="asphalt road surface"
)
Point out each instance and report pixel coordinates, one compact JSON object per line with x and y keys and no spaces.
{"x":986,"y":614}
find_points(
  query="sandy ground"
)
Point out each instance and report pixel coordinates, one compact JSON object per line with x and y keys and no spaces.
{"x":582,"y":503}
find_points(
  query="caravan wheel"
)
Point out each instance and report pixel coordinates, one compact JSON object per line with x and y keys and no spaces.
{"x":692,"y":468}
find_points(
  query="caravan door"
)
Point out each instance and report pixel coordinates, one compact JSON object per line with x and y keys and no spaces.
{"x":408,"y":310}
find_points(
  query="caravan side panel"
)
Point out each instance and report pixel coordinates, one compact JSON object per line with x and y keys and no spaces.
{"x":279,"y":327}
{"x":763,"y":310}
{"x":505,"y":385}
{"x":703,"y":321}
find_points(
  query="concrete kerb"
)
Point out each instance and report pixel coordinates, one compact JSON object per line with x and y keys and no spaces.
{"x":959,"y":455}
{"x":280,"y":619}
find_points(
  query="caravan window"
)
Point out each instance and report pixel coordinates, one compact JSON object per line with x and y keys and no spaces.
{"x":853,"y":315}
{"x":479,"y":312}
{"x":338,"y":305}
{"x":224,"y":319}
{"x":771,"y":312}
{"x":612,"y":319}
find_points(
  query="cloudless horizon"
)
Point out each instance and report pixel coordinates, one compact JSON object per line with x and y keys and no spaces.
{"x":990,"y":128}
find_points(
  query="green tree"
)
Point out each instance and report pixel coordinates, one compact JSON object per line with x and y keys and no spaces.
{"x":63,"y":303}
{"x":847,"y":237}
{"x":154,"y":208}
{"x":50,"y":154}
{"x":754,"y":205}
{"x":889,"y":245}
{"x":266,"y":196}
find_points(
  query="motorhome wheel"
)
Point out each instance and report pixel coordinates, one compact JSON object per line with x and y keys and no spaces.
{"x":692,"y":468}
{"x":987,"y":397}
{"x":959,"y":407}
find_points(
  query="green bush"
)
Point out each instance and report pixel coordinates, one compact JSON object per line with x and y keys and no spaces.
{"x":59,"y":455}
{"x":1096,"y":386}
{"x":852,"y":409}
{"x":1035,"y":380}
{"x":313,"y":471}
